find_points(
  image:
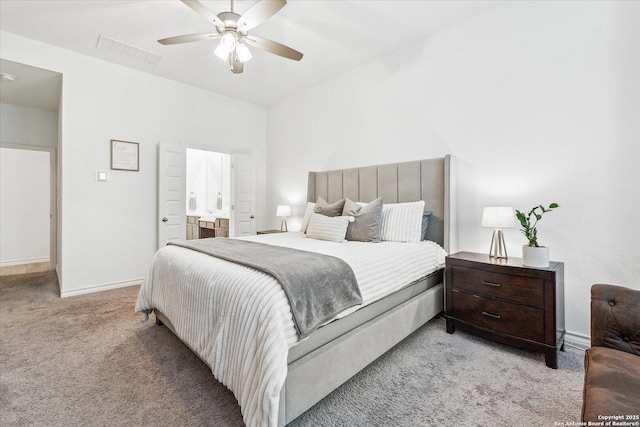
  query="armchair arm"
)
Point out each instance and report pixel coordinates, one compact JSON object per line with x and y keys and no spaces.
{"x":615,"y":318}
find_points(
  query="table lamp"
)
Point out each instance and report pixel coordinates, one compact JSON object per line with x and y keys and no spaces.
{"x":284,"y":211}
{"x":498,"y":218}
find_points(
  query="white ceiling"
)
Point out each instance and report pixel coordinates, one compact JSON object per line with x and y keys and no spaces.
{"x":334,"y":36}
{"x":33,"y":87}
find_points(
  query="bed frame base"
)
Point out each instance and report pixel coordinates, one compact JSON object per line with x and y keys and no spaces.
{"x":317,"y":374}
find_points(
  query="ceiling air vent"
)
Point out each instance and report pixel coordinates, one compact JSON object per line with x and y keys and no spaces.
{"x":113,"y":46}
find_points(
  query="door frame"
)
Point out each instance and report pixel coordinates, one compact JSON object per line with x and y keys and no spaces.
{"x":53,"y":195}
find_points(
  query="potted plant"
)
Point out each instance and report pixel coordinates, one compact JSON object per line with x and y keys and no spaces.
{"x":533,"y":254}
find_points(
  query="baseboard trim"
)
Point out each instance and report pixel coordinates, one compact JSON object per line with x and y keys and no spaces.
{"x":24,"y":261}
{"x":100,"y":288}
{"x":579,"y":341}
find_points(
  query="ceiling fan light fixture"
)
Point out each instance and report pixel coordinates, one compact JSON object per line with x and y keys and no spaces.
{"x":221,"y":52}
{"x":244,"y":54}
{"x":233,"y":29}
{"x":228,"y":41}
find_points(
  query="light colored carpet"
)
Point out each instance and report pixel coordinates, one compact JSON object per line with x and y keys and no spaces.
{"x":87,"y":360}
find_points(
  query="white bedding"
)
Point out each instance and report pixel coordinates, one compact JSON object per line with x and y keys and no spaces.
{"x":238,"y":319}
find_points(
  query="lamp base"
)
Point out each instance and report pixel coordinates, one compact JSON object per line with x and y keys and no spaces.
{"x":498,"y":248}
{"x":283,"y":225}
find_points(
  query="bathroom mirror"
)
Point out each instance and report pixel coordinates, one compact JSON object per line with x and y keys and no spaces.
{"x":208,"y":182}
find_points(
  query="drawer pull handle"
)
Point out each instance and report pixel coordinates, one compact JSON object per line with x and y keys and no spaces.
{"x":495,"y":285}
{"x":494,"y":316}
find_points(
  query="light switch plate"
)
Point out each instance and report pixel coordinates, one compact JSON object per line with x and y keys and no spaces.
{"x":101,"y":176}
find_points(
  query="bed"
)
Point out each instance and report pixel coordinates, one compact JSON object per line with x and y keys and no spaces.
{"x":269,"y":372}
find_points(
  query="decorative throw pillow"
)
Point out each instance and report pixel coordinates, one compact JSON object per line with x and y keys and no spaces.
{"x":402,"y":222}
{"x":323,"y":227}
{"x":324,"y":208}
{"x":307,"y":214}
{"x":367,"y":220}
{"x":425,"y":224}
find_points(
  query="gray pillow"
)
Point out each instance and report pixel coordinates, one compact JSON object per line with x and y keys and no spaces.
{"x":367,"y":222}
{"x":324,"y":208}
{"x":425,"y":224}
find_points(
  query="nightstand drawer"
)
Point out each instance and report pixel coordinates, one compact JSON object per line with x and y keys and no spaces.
{"x":520,"y":289}
{"x":512,"y":319}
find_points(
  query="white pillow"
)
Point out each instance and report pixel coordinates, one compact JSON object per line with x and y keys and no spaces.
{"x":307,"y":214}
{"x":402,"y":222}
{"x":331,"y":228}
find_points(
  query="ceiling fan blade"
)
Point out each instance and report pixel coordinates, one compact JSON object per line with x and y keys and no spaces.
{"x":274,"y":47}
{"x":188,"y":38}
{"x":259,"y":13}
{"x":202,"y":10}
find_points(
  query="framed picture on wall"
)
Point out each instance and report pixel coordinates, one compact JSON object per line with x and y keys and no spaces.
{"x":125,"y":155}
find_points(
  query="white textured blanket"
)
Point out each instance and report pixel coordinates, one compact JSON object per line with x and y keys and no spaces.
{"x":238,"y":319}
{"x":318,"y":286}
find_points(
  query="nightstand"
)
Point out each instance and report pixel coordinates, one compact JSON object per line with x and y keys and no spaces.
{"x":269,"y":232}
{"x":505,"y":301}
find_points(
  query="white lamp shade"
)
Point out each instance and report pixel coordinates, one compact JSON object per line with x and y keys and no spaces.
{"x":221,"y":52}
{"x":283,"y":210}
{"x":243,"y":52}
{"x":228,"y":42}
{"x":498,"y":217}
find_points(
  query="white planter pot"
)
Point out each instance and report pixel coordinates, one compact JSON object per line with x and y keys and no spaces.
{"x":535,"y":257}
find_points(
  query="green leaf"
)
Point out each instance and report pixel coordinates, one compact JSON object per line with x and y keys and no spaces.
{"x":525,"y":218}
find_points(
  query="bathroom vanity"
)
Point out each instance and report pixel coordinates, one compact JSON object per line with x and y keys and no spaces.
{"x":203,"y":227}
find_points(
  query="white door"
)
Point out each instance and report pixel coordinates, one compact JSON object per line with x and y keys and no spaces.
{"x":172,"y":207}
{"x":244,"y":192}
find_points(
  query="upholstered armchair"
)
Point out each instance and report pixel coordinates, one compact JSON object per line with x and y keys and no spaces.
{"x":612,"y":364}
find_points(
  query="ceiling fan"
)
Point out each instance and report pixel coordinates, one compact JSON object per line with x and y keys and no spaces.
{"x":233,"y":31}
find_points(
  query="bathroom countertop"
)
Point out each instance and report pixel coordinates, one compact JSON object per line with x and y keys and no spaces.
{"x":210,"y":217}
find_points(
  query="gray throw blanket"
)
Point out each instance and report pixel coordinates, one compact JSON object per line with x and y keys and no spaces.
{"x":318,"y":286}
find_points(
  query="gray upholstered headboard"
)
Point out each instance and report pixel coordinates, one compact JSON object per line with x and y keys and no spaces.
{"x":431,"y":180}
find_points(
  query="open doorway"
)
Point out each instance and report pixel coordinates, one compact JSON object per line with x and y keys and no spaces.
{"x":208,"y":194}
{"x":29,"y":138}
{"x":183,"y":215}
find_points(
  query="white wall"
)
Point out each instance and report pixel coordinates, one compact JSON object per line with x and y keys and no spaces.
{"x":24,"y":206}
{"x":108,"y":230}
{"x":539,"y":101}
{"x":28,"y":126}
